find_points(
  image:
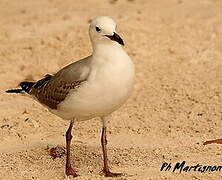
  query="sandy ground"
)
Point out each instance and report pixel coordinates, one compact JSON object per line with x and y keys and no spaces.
{"x":176,"y":46}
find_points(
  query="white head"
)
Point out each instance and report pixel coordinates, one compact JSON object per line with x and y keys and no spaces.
{"x":103,"y":30}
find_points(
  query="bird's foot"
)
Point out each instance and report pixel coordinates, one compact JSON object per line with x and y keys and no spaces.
{"x":111,"y":174}
{"x":71,"y":172}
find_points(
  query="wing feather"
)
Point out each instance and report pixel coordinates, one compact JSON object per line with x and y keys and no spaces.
{"x":52,"y":90}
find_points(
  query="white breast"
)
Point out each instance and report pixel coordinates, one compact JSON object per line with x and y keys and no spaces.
{"x":109,"y":85}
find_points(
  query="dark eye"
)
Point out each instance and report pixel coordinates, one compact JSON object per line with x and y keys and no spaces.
{"x":98,"y":29}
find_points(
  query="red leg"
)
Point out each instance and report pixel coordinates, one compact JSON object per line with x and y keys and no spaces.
{"x":216,"y":141}
{"x":106,"y":167}
{"x":69,"y":170}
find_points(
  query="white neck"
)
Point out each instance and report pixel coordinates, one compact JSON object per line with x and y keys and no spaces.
{"x":107,"y":50}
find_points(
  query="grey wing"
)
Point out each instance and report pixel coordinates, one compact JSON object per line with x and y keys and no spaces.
{"x":51,"y":91}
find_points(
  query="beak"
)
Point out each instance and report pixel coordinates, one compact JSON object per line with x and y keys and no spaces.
{"x":116,"y":37}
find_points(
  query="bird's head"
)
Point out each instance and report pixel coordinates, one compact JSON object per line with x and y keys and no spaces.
{"x":103,"y":30}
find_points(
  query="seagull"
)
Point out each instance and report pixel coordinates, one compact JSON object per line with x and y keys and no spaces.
{"x":94,"y":86}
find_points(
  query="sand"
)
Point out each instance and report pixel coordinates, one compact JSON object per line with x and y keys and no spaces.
{"x":176,"y":105}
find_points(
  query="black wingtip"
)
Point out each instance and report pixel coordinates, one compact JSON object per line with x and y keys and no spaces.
{"x":14,"y":91}
{"x":26,"y":86}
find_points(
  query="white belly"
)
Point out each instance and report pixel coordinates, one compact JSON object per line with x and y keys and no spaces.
{"x":107,"y":88}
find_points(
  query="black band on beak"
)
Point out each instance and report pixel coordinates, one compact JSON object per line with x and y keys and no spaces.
{"x":116,"y":37}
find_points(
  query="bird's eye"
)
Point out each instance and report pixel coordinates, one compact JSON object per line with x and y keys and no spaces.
{"x":98,"y":29}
